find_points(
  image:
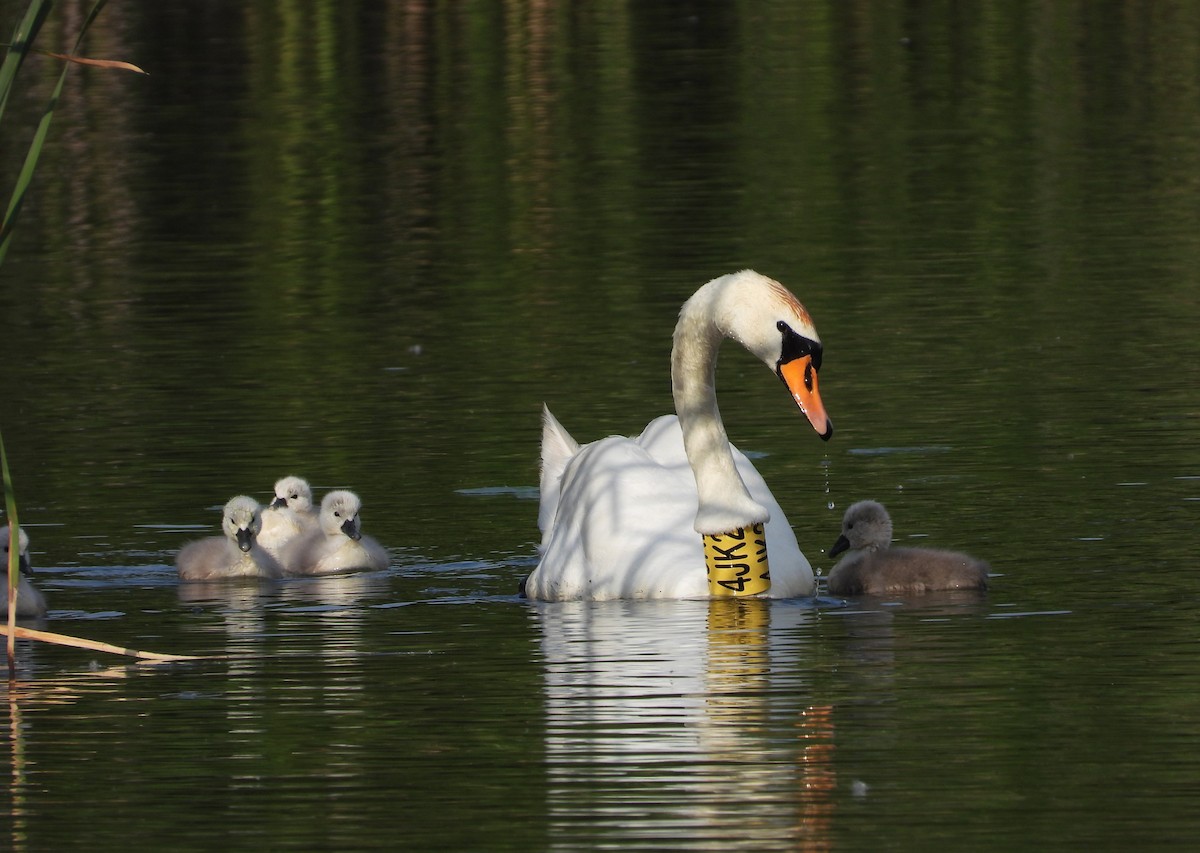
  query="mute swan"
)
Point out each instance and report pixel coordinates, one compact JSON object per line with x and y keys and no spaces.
{"x":338,"y":544}
{"x":31,"y":604}
{"x":623,"y":517}
{"x":874,"y":567}
{"x":289,"y":515}
{"x":237,"y":554}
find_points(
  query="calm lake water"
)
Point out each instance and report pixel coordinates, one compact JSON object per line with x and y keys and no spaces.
{"x":364,"y":241}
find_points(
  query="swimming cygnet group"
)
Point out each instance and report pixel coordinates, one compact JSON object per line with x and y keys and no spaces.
{"x":285,"y":539}
{"x":31,"y":604}
{"x":874,"y":567}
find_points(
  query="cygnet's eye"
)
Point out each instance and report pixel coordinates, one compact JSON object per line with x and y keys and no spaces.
{"x":781,"y":326}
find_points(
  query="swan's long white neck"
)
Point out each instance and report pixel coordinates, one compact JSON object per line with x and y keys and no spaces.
{"x":704,"y":321}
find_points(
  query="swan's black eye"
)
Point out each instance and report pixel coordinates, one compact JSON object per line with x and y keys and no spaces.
{"x":794,"y":345}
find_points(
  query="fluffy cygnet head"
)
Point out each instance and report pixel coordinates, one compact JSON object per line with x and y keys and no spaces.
{"x":294,"y":493}
{"x":22,"y":549}
{"x":242,"y":521}
{"x":866,"y":526}
{"x":339,"y":514}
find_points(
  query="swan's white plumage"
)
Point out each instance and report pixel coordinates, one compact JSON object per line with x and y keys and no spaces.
{"x":337,"y":544}
{"x":620,"y":516}
{"x":290,"y":514}
{"x":233,"y":555}
{"x":557,"y":450}
{"x":31,"y":604}
{"x":621,"y":530}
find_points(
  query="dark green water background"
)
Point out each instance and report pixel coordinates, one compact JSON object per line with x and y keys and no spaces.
{"x":364,"y":241}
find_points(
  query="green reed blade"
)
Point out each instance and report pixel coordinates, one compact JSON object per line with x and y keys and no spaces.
{"x":39,"y":140}
{"x":18,"y":47}
{"x":100,"y":4}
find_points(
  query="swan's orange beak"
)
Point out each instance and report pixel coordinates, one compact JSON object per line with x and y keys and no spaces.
{"x":801,"y":379}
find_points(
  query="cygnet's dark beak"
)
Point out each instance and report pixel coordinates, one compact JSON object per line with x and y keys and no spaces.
{"x":278,"y":503}
{"x":350,"y":528}
{"x":23,"y":565}
{"x":842,"y":544}
{"x":245,"y":538}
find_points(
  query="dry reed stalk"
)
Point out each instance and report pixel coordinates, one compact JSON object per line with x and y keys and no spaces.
{"x":94,"y":645}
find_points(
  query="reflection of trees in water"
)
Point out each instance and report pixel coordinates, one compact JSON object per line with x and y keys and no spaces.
{"x":298,"y":175}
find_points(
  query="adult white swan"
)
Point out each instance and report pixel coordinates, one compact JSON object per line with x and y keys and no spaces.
{"x":623,"y":518}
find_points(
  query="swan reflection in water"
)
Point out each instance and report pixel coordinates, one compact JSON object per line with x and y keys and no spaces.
{"x":683,"y":719}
